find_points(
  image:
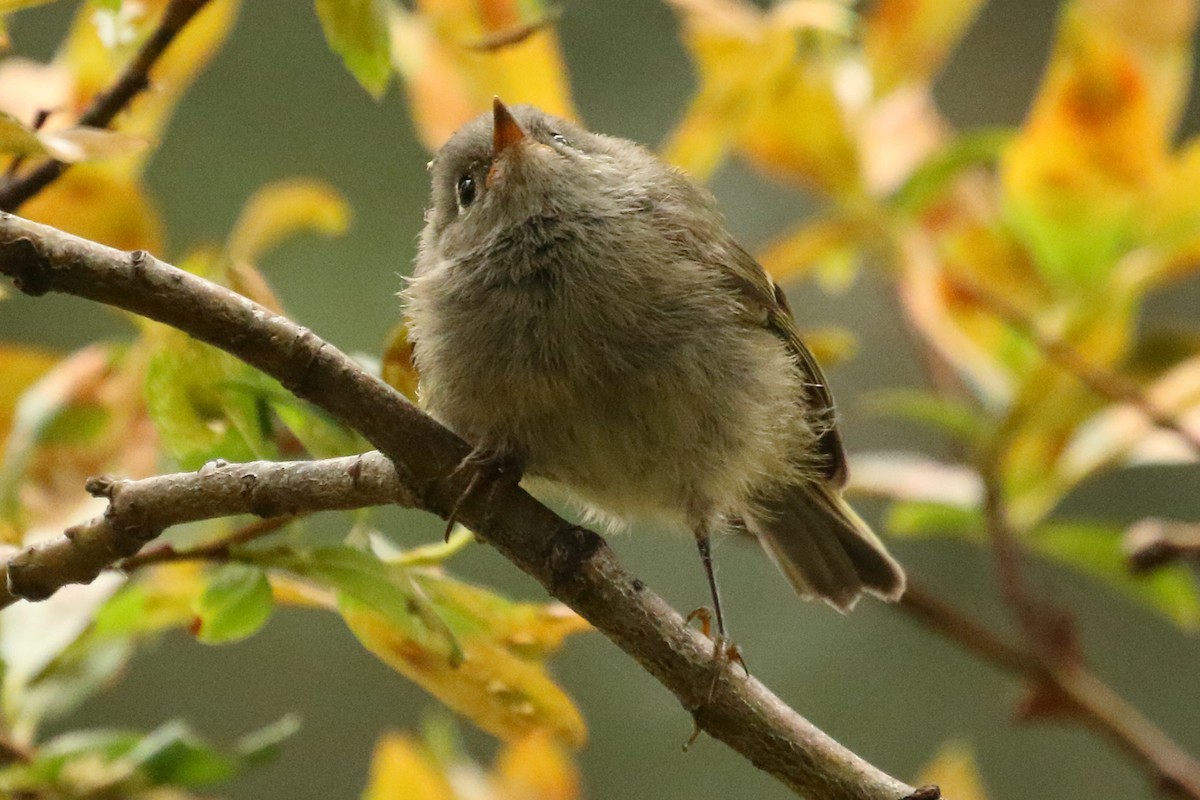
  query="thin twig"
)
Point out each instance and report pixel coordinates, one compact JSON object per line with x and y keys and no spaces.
{"x":573,"y":564}
{"x":1049,"y":629}
{"x":13,"y":753}
{"x":1153,"y":543}
{"x":1105,"y":383}
{"x":1077,"y":692}
{"x":139,"y":511}
{"x":218,"y":550}
{"x":106,"y":105}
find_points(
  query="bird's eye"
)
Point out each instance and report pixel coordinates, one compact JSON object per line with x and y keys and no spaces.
{"x":560,"y":139}
{"x":466,"y":190}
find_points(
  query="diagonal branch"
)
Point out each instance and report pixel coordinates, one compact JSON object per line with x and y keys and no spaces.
{"x":1078,"y":692}
{"x":105,"y":106}
{"x":573,"y":564}
{"x":1111,"y":386}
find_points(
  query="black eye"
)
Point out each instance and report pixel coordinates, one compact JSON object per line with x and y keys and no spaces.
{"x":466,"y":190}
{"x":559,"y":138}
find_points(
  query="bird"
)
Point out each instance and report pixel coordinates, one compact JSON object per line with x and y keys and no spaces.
{"x":580,"y":314}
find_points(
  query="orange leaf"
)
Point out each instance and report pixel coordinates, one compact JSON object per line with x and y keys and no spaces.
{"x":96,"y":202}
{"x":761,"y":93}
{"x":20,"y":368}
{"x":397,"y":367}
{"x":536,"y":768}
{"x":95,"y":65}
{"x":909,"y":40}
{"x":450,"y":79}
{"x":1098,"y":134}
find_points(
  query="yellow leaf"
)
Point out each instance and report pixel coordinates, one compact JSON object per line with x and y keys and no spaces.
{"x":17,"y":139}
{"x":954,"y":771}
{"x":84,"y":417}
{"x":800,"y":254}
{"x":159,"y":598}
{"x":737,"y":57}
{"x":1172,"y":222}
{"x":9,"y":6}
{"x":282,"y":209}
{"x":450,"y":78}
{"x":402,"y":770}
{"x":501,"y":693}
{"x":20,"y":367}
{"x":528,"y":630}
{"x":95,"y":66}
{"x":909,"y":40}
{"x":397,"y":368}
{"x":830,"y":345}
{"x":763,"y":94}
{"x":96,"y":202}
{"x":357,"y":31}
{"x":289,"y":591}
{"x":1098,"y":135}
{"x":536,"y":768}
{"x":274,"y":213}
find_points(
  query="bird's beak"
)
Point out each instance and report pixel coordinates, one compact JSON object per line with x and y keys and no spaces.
{"x":506,"y":131}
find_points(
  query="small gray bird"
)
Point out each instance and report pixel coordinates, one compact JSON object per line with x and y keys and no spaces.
{"x":581,"y":315}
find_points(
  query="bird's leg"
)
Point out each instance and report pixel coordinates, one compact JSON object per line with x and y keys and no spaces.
{"x":488,"y":467}
{"x":723,"y":649}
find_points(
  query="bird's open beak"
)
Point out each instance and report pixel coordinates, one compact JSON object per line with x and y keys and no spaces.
{"x":506,"y":131}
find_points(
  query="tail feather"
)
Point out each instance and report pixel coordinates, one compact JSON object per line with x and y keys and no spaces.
{"x":825,"y":549}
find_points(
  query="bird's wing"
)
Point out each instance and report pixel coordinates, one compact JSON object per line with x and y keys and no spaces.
{"x":769,"y":307}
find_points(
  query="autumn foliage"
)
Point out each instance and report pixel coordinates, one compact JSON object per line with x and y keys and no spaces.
{"x":1021,"y":258}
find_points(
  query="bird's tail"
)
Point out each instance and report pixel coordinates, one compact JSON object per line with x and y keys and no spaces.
{"x":824,"y":548}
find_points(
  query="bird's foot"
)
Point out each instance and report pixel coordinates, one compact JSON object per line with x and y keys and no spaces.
{"x":724,"y":650}
{"x":488,"y":468}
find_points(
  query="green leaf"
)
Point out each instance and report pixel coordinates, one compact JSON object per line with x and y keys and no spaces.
{"x":958,"y":419}
{"x":174,"y":755}
{"x":171,"y":755}
{"x":17,"y":139}
{"x":358,"y":574}
{"x":196,"y":397}
{"x":320,"y":434}
{"x":357,"y":30}
{"x":74,"y":677}
{"x":234,"y":605}
{"x":1095,"y":549}
{"x":928,"y":182}
{"x":76,"y":425}
{"x":918,"y":519}
{"x":51,"y":757}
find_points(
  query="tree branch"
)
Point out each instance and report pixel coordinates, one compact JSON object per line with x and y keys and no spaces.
{"x":1078,"y":692}
{"x":573,"y":564}
{"x":105,"y":106}
{"x":1110,"y":385}
{"x":1152,"y":543}
{"x":138,"y":511}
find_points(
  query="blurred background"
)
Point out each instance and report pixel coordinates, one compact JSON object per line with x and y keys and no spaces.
{"x":276,"y":103}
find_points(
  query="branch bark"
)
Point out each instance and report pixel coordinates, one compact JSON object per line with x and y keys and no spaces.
{"x":138,"y":511}
{"x":134,"y":79}
{"x":573,"y":564}
{"x":1077,"y":691}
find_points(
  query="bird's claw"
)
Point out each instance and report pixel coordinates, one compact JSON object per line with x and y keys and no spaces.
{"x":724,"y":652}
{"x":487,"y":468}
